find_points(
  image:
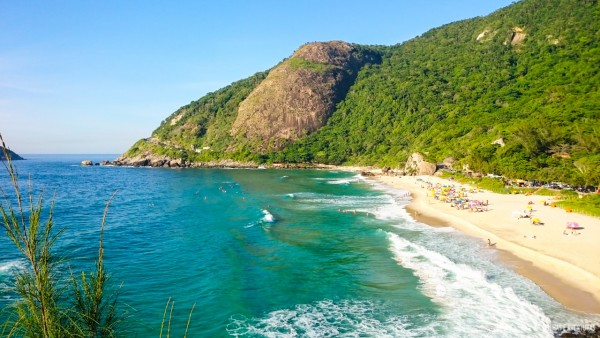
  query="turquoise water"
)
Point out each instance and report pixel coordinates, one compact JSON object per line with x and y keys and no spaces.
{"x":279,"y":253}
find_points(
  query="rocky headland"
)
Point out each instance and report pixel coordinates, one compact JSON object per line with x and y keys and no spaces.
{"x":12,"y":154}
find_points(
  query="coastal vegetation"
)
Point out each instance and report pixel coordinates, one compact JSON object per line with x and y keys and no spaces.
{"x":568,"y":199}
{"x":514,"y":93}
{"x":46,"y":305}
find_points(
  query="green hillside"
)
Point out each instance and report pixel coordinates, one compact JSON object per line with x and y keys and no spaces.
{"x":448,"y":94}
{"x":207,"y":121}
{"x":525,"y":76}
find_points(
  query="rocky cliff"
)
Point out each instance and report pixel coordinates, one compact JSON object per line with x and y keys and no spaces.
{"x":299,"y":95}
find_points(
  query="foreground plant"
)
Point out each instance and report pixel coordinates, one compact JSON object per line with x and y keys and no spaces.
{"x":171,"y":304}
{"x":94,"y":314}
{"x":43,"y":309}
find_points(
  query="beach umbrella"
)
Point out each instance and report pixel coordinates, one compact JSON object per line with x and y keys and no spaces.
{"x":572,"y":225}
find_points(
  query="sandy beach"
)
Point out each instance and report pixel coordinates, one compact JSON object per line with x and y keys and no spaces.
{"x":563,"y":262}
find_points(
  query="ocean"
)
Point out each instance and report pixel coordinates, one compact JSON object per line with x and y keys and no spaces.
{"x":277,"y":253}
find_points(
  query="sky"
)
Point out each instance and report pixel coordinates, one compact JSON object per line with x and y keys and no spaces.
{"x":93,"y":77}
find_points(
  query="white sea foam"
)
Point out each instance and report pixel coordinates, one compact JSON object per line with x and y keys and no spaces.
{"x":393,"y":209}
{"x":472,"y":305}
{"x":390,"y":209}
{"x":266,"y":220}
{"x":342,"y":181}
{"x":268,"y":217}
{"x":10,"y":266}
{"x":309,"y":200}
{"x":444,"y":229}
{"x":466,"y":251}
{"x":328,"y":319}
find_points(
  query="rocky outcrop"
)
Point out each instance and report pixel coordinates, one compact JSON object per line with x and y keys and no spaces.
{"x":416,"y":165}
{"x":485,"y":36}
{"x":499,"y":142}
{"x":518,"y":36}
{"x":167,"y":162}
{"x":12,"y":154}
{"x":299,"y":95}
{"x":145,"y":160}
{"x":448,"y":162}
{"x":87,"y":163}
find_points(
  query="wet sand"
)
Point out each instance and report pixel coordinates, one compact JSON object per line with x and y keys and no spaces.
{"x":566,"y":266}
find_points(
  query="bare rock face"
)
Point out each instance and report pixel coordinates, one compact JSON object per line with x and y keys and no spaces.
{"x":287,"y":105}
{"x":336,"y":53}
{"x":87,"y":163}
{"x":486,"y":35}
{"x":518,"y":36}
{"x":499,"y":142}
{"x":298,"y":96}
{"x":448,"y":162}
{"x":416,"y":165}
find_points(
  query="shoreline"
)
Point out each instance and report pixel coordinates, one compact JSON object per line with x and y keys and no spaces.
{"x":564,"y":266}
{"x":571,"y":297}
{"x":577,"y":286}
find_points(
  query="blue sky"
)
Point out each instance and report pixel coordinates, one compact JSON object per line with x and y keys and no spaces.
{"x":96,"y":76}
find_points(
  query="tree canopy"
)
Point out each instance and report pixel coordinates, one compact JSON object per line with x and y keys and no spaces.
{"x":526,"y":76}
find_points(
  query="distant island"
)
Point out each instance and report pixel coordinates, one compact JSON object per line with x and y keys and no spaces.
{"x":12,"y":154}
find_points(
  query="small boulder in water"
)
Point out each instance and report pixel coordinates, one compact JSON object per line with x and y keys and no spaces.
{"x":268,"y":217}
{"x":86,"y":163}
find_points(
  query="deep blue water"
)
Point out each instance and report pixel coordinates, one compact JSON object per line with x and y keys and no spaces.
{"x":277,"y":253}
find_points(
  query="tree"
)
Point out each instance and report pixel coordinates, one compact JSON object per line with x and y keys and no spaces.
{"x":589,"y":167}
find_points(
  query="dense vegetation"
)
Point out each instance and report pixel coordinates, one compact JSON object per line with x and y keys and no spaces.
{"x":207,"y":121}
{"x":447,"y":94}
{"x":527,"y":75}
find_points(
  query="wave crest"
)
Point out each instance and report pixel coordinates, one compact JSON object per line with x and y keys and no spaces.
{"x":328,"y":319}
{"x":472,"y":305}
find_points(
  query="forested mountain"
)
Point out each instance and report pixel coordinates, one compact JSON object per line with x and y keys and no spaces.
{"x":513,"y":93}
